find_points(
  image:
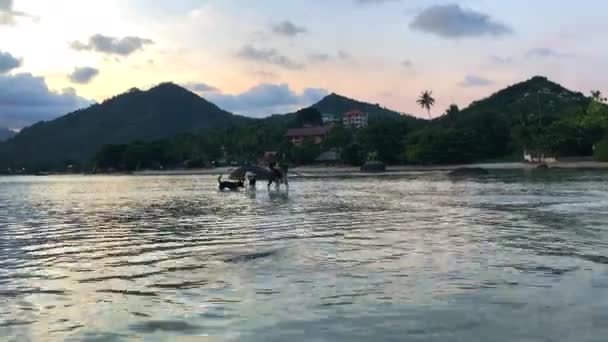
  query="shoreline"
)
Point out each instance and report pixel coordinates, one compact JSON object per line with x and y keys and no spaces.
{"x":314,"y":170}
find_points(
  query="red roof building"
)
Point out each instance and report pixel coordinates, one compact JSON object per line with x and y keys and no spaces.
{"x":355,"y":119}
{"x":317,"y":134}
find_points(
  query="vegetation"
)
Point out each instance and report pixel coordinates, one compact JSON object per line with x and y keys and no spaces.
{"x":426,"y":101}
{"x":536,"y":115}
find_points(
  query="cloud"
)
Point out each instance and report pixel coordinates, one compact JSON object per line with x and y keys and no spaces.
{"x":373,"y":2}
{"x":452,"y":21}
{"x":475,"y":81}
{"x":83,"y":75}
{"x":288,"y":29}
{"x":546,"y":53}
{"x":407,"y":63}
{"x":200,"y":87}
{"x":111,"y":45}
{"x":268,"y":56}
{"x":501,"y":60}
{"x":344,"y":55}
{"x":26,"y":99}
{"x":8,"y":15}
{"x":319,"y":57}
{"x":326,"y":57}
{"x":266,"y":99}
{"x":8,"y":62}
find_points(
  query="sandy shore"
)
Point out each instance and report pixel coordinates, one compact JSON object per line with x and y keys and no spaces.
{"x":320,"y":170}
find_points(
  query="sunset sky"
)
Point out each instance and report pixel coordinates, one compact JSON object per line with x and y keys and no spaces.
{"x":272,"y":56}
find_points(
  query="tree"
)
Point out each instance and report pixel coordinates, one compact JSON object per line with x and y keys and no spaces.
{"x":597,"y":96}
{"x":307,"y":116}
{"x":426,"y":101}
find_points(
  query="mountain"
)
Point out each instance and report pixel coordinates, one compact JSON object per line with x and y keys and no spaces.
{"x":6,"y":134}
{"x":337,"y":105}
{"x":536,"y":96}
{"x":161,"y":112}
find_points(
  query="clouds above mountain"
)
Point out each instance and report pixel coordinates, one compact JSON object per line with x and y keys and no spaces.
{"x":475,"y":81}
{"x":452,"y":21}
{"x":268,"y":56}
{"x":83,"y":75}
{"x":200,"y":87}
{"x":265,"y":99}
{"x":288,"y":29}
{"x":111,"y":45}
{"x":546,"y":53}
{"x":26,"y":99}
{"x":8,"y":62}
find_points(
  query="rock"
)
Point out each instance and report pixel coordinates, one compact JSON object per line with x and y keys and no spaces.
{"x":469,"y":171}
{"x":542,"y":166}
{"x":373,"y":166}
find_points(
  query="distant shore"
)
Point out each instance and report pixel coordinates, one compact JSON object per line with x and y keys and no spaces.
{"x":317,"y":170}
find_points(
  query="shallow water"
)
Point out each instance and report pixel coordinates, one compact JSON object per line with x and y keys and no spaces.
{"x":415,"y":257}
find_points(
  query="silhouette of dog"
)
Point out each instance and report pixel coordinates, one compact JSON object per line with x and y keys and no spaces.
{"x":232,"y":186}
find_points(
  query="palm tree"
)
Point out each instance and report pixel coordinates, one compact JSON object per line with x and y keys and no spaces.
{"x":426,"y":101}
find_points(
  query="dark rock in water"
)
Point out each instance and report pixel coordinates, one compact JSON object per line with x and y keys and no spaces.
{"x":469,"y":171}
{"x":373,"y":166}
{"x":261,"y":173}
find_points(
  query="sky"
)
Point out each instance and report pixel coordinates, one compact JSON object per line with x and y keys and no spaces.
{"x":273,"y":56}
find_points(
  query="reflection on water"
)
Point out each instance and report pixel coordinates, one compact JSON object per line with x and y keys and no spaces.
{"x":415,"y":257}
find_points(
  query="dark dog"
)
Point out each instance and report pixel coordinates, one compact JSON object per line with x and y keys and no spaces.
{"x":232,"y":186}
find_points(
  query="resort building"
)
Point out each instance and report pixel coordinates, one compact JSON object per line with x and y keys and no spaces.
{"x":355,"y":119}
{"x":317,"y":134}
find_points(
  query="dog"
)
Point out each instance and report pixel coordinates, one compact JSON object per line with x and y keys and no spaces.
{"x":232,"y":186}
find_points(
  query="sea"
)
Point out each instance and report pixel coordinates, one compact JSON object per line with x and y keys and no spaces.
{"x":414,"y":256}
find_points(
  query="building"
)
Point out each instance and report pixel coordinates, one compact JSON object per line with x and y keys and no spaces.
{"x":355,"y":119}
{"x":316,"y":134}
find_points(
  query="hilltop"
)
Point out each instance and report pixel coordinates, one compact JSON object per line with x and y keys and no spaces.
{"x":338,"y":105}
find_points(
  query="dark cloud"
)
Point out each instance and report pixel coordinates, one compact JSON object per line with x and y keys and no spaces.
{"x":112,"y":45}
{"x":200,"y":87}
{"x":83,"y":75}
{"x":8,"y":62}
{"x":269,"y":56}
{"x":266,"y":99}
{"x":546,"y":53}
{"x":475,"y":81}
{"x":26,"y":99}
{"x":452,"y":21}
{"x":289,"y":29}
{"x":501,"y":60}
{"x":407,"y":63}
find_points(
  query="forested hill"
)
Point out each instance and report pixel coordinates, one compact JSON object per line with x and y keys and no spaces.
{"x":6,"y":134}
{"x":537,"y":115}
{"x":538,"y":96}
{"x":338,"y":105}
{"x":161,"y":112}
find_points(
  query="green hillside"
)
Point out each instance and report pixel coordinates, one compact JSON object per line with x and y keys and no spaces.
{"x":161,"y":112}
